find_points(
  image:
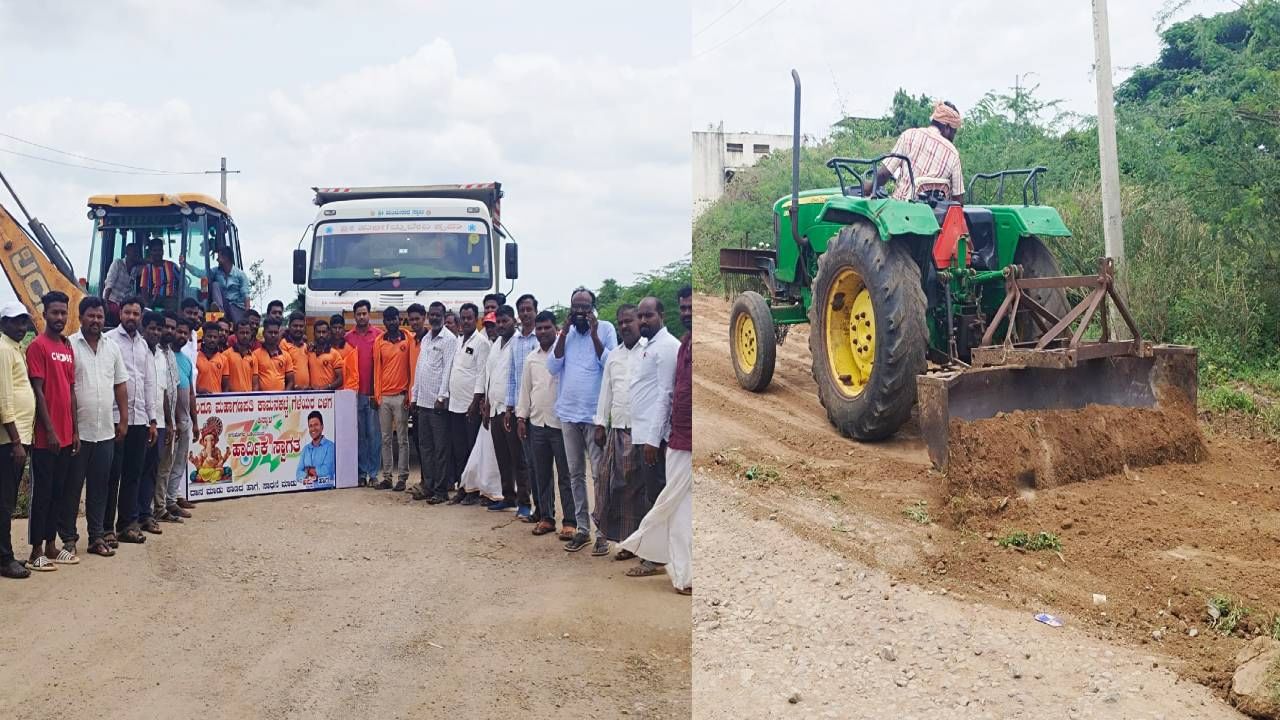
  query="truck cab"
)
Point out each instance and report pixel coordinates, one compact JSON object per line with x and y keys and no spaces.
{"x":191,"y":226}
{"x":395,"y":246}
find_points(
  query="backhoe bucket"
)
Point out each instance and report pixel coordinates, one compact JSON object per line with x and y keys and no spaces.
{"x":1163,"y":380}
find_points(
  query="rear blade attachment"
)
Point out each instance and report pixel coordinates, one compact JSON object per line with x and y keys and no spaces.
{"x":1059,"y":370}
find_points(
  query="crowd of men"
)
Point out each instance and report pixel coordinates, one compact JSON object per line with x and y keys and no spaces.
{"x":106,"y":412}
{"x":112,"y":413}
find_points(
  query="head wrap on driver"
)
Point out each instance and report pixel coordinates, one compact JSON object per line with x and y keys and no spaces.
{"x":946,"y":115}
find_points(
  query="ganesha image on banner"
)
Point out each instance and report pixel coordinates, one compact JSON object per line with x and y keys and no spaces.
{"x":211,"y":462}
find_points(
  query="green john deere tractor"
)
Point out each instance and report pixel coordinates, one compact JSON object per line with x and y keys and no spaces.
{"x":962,"y":307}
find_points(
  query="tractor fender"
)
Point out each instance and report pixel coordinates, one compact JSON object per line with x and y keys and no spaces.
{"x":890,"y":217}
{"x":1014,"y":222}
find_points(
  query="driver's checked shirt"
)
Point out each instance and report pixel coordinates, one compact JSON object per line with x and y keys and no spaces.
{"x":932,"y":156}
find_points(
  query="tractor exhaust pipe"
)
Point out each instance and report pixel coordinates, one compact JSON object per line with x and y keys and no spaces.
{"x":794,"y":210}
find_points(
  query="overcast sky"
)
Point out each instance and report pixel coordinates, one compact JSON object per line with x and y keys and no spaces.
{"x":581,"y":111}
{"x":853,"y":55}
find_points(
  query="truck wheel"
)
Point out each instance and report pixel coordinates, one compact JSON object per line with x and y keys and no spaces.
{"x":752,"y":342}
{"x":868,"y":336}
{"x":1037,"y":261}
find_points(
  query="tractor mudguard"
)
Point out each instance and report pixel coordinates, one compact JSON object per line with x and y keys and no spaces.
{"x":1014,"y":222}
{"x":891,"y":217}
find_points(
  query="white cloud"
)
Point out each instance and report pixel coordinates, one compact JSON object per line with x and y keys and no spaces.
{"x":592,"y":150}
{"x":852,"y":56}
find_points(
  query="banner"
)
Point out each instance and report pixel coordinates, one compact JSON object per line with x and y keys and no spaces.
{"x":258,"y":443}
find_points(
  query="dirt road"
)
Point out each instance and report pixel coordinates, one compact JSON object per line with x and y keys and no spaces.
{"x":343,"y":604}
{"x":783,"y":628}
{"x":1158,"y":542}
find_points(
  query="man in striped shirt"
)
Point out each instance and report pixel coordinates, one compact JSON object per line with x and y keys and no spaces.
{"x":934,"y":158}
{"x":159,"y":280}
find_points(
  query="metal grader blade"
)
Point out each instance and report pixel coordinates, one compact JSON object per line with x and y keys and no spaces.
{"x":1056,"y":371}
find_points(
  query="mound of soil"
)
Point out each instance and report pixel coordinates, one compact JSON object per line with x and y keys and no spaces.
{"x":1035,"y":450}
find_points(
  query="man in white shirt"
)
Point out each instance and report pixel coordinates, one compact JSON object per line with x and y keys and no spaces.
{"x":121,"y":281}
{"x":101,"y":388}
{"x":194,"y":314}
{"x":429,"y":400}
{"x":539,"y":428}
{"x":619,"y":486}
{"x":506,"y":445}
{"x":140,"y":414}
{"x":158,"y":328}
{"x":653,"y":378}
{"x":466,"y":384}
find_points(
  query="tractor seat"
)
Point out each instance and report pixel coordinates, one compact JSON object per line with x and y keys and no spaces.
{"x":982,"y":237}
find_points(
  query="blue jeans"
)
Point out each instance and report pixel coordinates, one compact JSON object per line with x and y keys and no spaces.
{"x":370,"y":438}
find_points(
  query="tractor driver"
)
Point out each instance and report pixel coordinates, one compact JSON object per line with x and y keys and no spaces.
{"x":932,"y":156}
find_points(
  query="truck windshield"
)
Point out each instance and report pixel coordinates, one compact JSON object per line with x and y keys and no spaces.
{"x":401,"y":254}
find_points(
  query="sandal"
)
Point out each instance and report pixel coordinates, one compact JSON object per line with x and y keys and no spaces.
{"x":152,"y":527}
{"x":625,"y":555}
{"x":100,"y":547}
{"x":132,"y":536}
{"x":66,"y":557}
{"x":41,"y":564}
{"x":600,"y":549}
{"x":685,"y":591}
{"x":646,"y":569}
{"x":543,"y":527}
{"x":111,"y":540}
{"x":566,"y":532}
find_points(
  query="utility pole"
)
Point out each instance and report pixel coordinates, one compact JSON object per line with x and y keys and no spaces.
{"x":223,"y":172}
{"x":1112,"y":228}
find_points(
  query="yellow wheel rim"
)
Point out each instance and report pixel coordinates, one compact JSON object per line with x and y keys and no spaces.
{"x":851,"y":333}
{"x":744,"y":340}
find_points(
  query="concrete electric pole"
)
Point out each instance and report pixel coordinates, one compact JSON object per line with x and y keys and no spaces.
{"x":224,"y":172}
{"x":1112,"y":227}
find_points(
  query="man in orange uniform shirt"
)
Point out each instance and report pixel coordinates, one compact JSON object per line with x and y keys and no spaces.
{"x":295,"y":346}
{"x":242,"y":364}
{"x":350,"y":357}
{"x":275,"y":367}
{"x":211,"y":363}
{"x":324,"y":363}
{"x":392,"y":378}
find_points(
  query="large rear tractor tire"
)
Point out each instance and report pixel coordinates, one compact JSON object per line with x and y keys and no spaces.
{"x":752,"y":342}
{"x":868,"y":337}
{"x":1037,"y":261}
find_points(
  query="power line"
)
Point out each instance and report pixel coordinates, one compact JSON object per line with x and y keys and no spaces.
{"x":718,"y":19}
{"x":90,"y":159}
{"x":90,"y":167}
{"x":744,"y":29}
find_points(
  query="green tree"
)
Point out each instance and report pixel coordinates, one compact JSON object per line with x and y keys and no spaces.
{"x":259,"y":283}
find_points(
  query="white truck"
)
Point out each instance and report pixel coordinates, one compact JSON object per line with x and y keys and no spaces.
{"x":395,"y":246}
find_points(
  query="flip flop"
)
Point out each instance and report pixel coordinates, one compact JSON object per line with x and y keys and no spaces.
{"x":100,"y":547}
{"x":132,"y":536}
{"x":66,"y":557}
{"x":625,"y":555}
{"x":544,"y":528}
{"x":566,"y":533}
{"x":646,"y":569}
{"x":41,"y":564}
{"x":685,"y":591}
{"x":111,"y":540}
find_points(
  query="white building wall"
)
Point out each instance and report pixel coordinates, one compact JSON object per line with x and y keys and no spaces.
{"x":717,"y":155}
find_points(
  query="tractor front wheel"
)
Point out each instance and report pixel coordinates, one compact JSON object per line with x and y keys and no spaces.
{"x":752,"y":342}
{"x":868,"y":336}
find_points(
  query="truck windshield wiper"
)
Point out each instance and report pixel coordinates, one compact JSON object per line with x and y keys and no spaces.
{"x":365,"y":282}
